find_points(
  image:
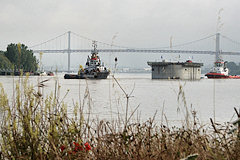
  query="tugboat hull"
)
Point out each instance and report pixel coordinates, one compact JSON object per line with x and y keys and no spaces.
{"x":220,"y":76}
{"x":97,"y":75}
{"x":216,"y":75}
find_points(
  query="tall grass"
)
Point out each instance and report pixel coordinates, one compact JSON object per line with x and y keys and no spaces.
{"x":34,"y":126}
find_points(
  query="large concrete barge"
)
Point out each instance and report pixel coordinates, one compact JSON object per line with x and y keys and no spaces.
{"x":176,"y":70}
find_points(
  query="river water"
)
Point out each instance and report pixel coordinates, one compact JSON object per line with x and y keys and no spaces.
{"x":207,"y":97}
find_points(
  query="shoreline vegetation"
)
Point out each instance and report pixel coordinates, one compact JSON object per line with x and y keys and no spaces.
{"x":38,"y":126}
{"x":18,"y":58}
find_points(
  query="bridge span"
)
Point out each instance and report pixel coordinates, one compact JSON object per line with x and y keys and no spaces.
{"x":121,"y":49}
{"x":136,"y":51}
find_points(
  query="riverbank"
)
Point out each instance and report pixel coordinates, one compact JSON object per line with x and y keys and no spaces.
{"x":17,"y":73}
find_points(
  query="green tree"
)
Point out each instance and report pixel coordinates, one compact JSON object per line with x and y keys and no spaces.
{"x":234,"y":69}
{"x":11,"y":53}
{"x":21,"y":58}
{"x":4,"y":62}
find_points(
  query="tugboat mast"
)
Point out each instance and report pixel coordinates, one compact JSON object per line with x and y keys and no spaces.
{"x":94,"y":45}
{"x":218,"y":47}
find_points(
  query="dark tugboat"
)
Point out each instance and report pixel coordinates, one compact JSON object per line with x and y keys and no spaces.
{"x":94,"y":68}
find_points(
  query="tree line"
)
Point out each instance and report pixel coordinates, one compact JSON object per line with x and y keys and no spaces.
{"x":17,"y":57}
{"x":234,"y":69}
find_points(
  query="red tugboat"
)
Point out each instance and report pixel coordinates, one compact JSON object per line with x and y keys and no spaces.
{"x":220,"y":71}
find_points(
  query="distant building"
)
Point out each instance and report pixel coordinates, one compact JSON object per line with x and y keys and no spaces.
{"x":176,"y":70}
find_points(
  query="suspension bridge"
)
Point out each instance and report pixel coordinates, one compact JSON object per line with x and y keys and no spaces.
{"x":70,"y":42}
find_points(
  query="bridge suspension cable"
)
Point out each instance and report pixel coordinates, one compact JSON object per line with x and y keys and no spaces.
{"x":128,"y":47}
{"x":191,"y":42}
{"x":231,"y":40}
{"x":48,"y":40}
{"x":104,"y":43}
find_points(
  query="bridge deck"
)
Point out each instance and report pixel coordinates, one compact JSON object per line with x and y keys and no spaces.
{"x":136,"y":51}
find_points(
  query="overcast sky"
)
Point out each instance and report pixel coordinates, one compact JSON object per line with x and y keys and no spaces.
{"x":139,"y":23}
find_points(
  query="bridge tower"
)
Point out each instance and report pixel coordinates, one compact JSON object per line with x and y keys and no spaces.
{"x":69,"y":49}
{"x":217,"y":46}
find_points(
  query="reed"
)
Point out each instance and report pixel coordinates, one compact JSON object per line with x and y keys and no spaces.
{"x":35,"y":126}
